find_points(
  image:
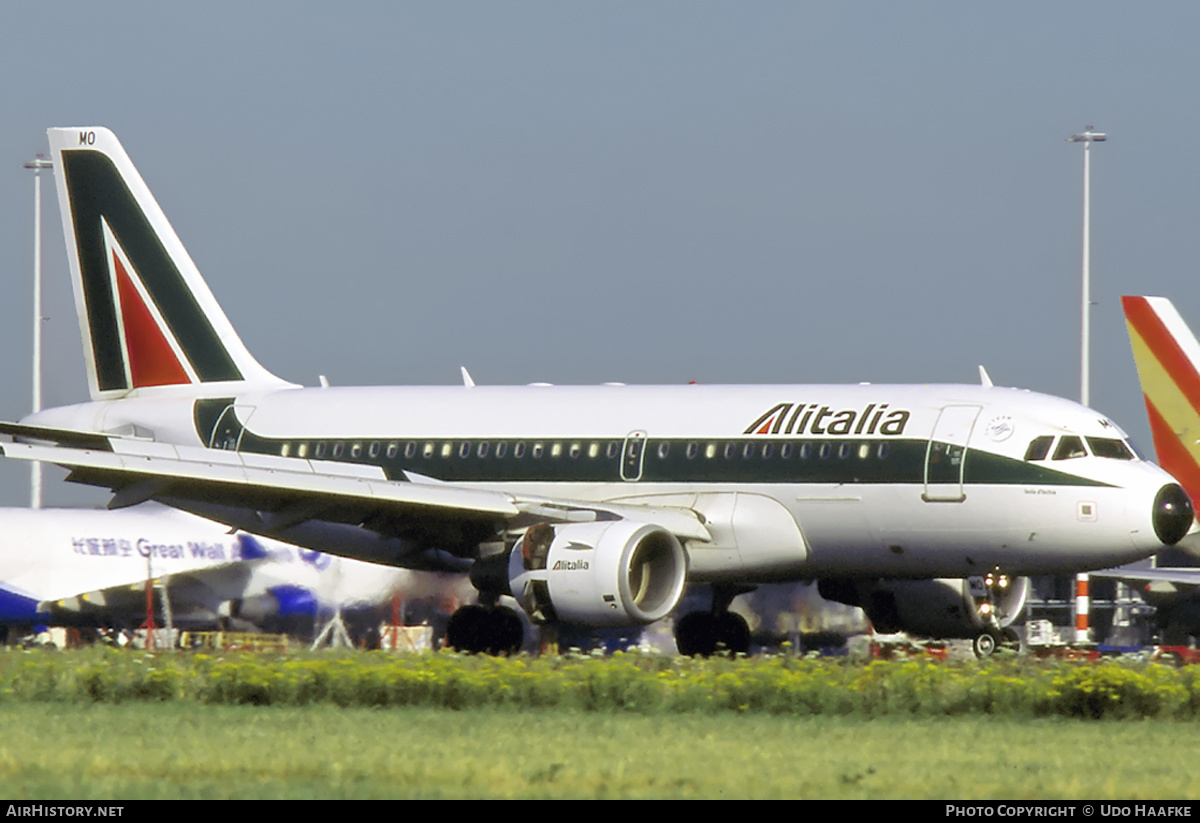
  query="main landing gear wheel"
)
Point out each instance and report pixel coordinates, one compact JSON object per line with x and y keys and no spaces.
{"x":985,"y":644}
{"x":493,"y":630}
{"x":703,"y":634}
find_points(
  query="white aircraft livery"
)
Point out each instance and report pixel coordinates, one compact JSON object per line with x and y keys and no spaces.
{"x":588,"y":504}
{"x":79,"y":567}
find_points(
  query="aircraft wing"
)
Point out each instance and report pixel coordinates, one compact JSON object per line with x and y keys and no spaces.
{"x":134,"y":468}
{"x":289,"y":491}
{"x":193,"y":595}
{"x":1175,"y":576}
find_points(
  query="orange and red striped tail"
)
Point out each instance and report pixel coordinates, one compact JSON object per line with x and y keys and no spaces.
{"x":1168,"y":363}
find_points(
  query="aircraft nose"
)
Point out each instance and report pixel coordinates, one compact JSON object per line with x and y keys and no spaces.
{"x":1173,"y":513}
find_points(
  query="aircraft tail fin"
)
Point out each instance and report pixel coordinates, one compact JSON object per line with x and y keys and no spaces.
{"x":1167,"y":355}
{"x":147,"y":317}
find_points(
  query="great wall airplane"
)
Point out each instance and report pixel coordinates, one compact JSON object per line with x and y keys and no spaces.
{"x":589,"y":504}
{"x":79,"y":567}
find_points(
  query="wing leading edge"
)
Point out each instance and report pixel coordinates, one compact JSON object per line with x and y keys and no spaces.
{"x":286,"y":493}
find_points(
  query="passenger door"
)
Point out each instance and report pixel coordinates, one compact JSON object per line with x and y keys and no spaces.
{"x":946,"y":454}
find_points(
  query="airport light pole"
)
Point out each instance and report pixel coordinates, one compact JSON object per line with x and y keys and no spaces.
{"x":37,"y":164}
{"x":1087,"y":137}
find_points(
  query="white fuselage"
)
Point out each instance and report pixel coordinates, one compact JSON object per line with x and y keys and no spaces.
{"x":792,"y":482}
{"x":66,"y":565}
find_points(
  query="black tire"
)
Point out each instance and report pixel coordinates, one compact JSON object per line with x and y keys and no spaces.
{"x":507,"y":630}
{"x":467,"y":630}
{"x":984,"y":645}
{"x":732,"y":633}
{"x":695,"y":635}
{"x":482,"y":630}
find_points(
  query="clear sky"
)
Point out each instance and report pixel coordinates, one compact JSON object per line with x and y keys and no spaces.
{"x":647,"y":192}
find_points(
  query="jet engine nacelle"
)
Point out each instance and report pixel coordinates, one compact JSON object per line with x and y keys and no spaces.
{"x":607,"y":573}
{"x":279,"y":601}
{"x":943,"y":607}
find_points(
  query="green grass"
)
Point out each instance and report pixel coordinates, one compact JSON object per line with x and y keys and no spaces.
{"x":107,"y":725}
{"x":188,"y":750}
{"x":640,"y":684}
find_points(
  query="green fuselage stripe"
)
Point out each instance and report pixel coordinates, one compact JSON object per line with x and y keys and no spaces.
{"x":877,"y":460}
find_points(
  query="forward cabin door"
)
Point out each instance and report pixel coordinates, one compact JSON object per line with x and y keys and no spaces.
{"x":946,"y":454}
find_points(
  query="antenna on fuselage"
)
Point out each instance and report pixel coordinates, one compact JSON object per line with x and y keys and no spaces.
{"x":467,"y":381}
{"x":984,"y":379}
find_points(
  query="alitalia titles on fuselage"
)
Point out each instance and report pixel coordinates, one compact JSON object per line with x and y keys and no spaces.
{"x":811,"y":418}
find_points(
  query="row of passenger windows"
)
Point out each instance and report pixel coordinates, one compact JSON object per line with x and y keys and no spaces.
{"x":1040,"y":448}
{"x":1070,"y":446}
{"x":337,"y":449}
{"x":428,"y":449}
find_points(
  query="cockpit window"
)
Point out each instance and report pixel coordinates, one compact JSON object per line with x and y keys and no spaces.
{"x":1110,"y":447}
{"x":1039,"y":447}
{"x":1069,"y":447}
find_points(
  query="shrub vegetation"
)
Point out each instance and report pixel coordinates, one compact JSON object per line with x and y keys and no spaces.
{"x":629,"y":683}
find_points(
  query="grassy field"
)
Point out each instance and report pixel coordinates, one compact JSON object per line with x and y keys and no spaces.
{"x":623,"y":683}
{"x":186,"y":750}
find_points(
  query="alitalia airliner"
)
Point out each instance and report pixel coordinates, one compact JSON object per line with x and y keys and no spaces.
{"x":587,"y":504}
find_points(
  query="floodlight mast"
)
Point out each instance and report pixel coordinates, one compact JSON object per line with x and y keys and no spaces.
{"x":1087,"y":137}
{"x":37,"y":164}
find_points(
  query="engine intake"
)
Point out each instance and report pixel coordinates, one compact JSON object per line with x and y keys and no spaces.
{"x":609,"y":573}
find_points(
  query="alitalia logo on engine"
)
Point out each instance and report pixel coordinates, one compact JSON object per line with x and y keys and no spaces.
{"x":569,"y":566}
{"x":811,"y":418}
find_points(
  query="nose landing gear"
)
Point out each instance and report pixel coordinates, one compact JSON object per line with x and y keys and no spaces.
{"x":991,"y":592}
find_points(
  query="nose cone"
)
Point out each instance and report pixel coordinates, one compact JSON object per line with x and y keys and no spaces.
{"x":1173,"y":514}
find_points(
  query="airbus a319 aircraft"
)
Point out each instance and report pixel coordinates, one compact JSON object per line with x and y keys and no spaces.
{"x":589,"y":504}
